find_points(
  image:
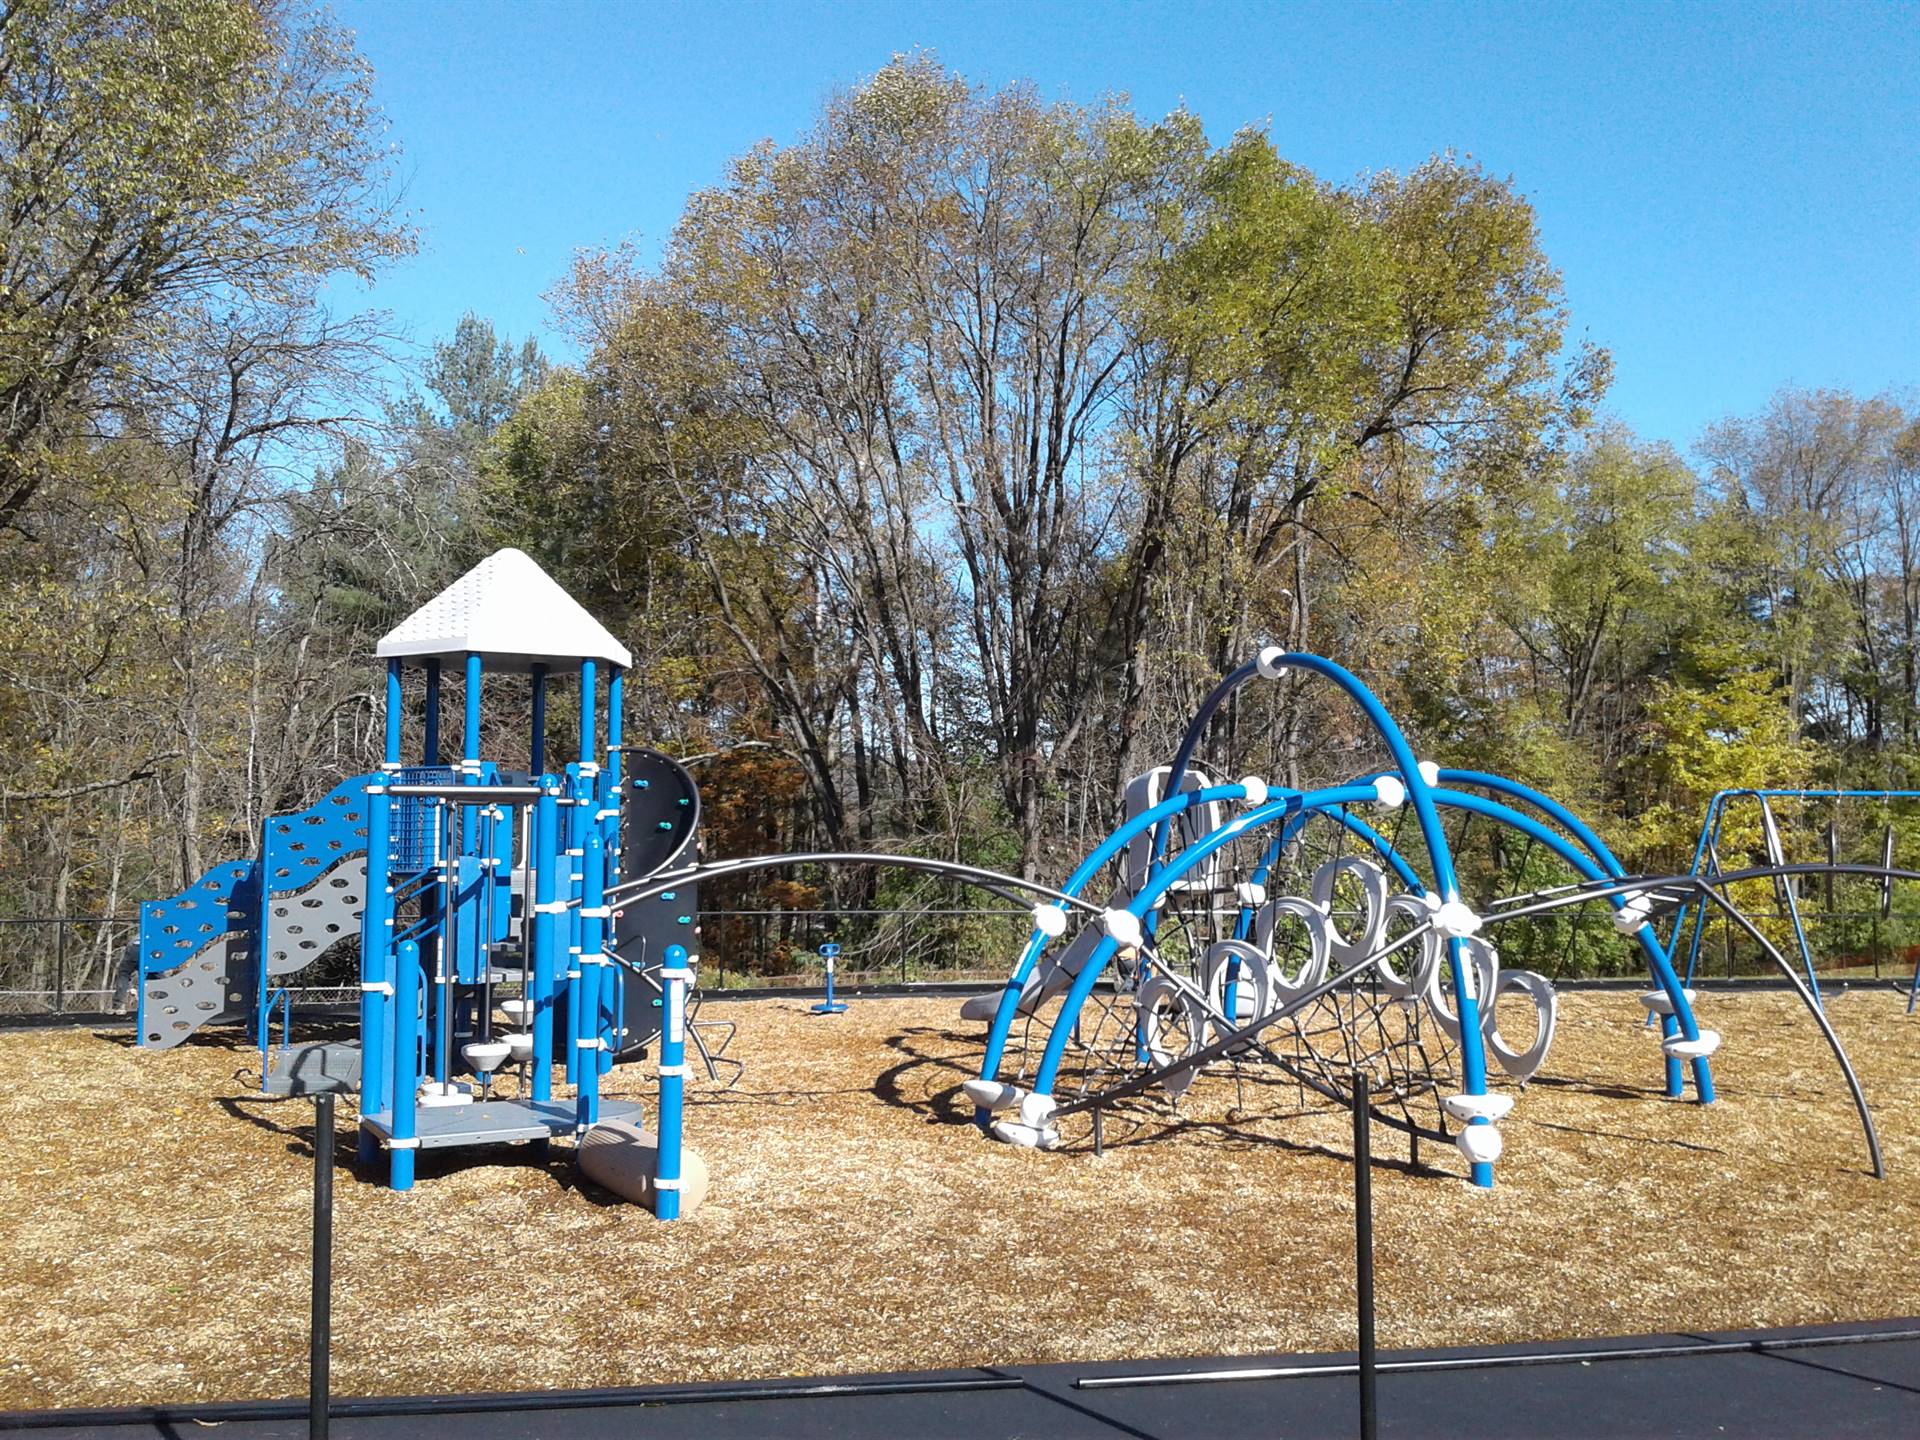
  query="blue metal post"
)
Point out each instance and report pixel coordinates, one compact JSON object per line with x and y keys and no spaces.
{"x":589,"y":714}
{"x":376,"y":966}
{"x":538,"y":748}
{"x":829,"y":1006}
{"x":579,"y":809}
{"x":430,"y":744}
{"x":589,"y":991}
{"x":674,"y":976}
{"x":547,"y":930}
{"x":394,"y":712}
{"x":403,"y":1132}
{"x":610,"y":787}
{"x":470,"y":748}
{"x":464,"y":844}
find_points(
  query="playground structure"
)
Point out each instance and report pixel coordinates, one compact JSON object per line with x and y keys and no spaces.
{"x":515,"y":922}
{"x":1854,"y":856}
{"x":1324,"y":972}
{"x":487,"y":951}
{"x":1341,"y":978}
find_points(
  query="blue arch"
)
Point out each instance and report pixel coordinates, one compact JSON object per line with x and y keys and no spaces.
{"x":1160,"y":815}
{"x":1149,"y":896}
{"x":1271,"y":664}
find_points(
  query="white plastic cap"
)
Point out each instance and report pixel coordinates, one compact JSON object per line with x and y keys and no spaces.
{"x":1272,"y":661}
{"x":1250,"y":892}
{"x":1477,"y":1107}
{"x":1027,"y":1137}
{"x":1050,"y":920}
{"x":1390,"y":791}
{"x":1455,"y":920}
{"x":1429,"y":772}
{"x":1481,"y":1144}
{"x":1635,"y":910}
{"x":1123,"y":928}
{"x":1037,"y":1110}
{"x":1256,"y":789}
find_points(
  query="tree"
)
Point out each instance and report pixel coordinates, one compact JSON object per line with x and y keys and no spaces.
{"x":160,"y":161}
{"x":1803,"y":477}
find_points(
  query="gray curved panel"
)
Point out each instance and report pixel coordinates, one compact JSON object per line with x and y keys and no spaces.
{"x":304,"y":924}
{"x":214,"y":987}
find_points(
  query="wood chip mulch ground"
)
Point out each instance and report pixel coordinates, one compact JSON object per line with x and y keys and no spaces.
{"x":154,"y":1218}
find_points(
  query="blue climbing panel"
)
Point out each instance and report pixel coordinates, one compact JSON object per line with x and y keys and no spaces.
{"x":301,"y":847}
{"x":202,"y":955}
{"x":174,"y":930}
{"x":196,"y":955}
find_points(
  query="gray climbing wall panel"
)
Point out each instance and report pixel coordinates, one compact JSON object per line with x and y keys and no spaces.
{"x":304,"y":925}
{"x":215,"y":987}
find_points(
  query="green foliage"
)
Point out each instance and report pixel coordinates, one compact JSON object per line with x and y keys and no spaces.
{"x":945,"y":459}
{"x":163,"y":162}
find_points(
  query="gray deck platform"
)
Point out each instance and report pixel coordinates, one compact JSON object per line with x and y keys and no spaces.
{"x":496,"y":1122}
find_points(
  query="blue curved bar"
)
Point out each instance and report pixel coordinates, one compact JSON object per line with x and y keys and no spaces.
{"x":1546,"y":805}
{"x":1177,"y":772}
{"x":1473,"y":1055}
{"x":1149,"y":896}
{"x":1590,"y":869}
{"x":1161,"y":814}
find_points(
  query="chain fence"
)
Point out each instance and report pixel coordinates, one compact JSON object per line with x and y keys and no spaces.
{"x":81,"y":965}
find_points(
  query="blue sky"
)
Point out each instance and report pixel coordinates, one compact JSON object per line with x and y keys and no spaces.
{"x":1732,"y":192}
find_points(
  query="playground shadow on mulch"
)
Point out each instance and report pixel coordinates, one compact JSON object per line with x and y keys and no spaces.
{"x":157,"y":1216}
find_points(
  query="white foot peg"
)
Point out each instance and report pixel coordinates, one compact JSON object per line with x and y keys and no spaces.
{"x":1659,"y":1004}
{"x":980,"y":1007}
{"x":1474,"y":1107}
{"x":1681,"y":1048}
{"x":992,"y":1094}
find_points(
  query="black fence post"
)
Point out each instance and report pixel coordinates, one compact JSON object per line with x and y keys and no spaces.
{"x":59,"y":967}
{"x":1363,"y":1252}
{"x":320,"y":1337}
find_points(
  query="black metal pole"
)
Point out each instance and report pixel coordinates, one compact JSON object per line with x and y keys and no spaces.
{"x":320,"y":1338}
{"x":59,"y":967}
{"x":1363,"y":1252}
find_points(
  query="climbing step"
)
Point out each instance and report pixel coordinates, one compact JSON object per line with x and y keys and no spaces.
{"x":323,"y":1067}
